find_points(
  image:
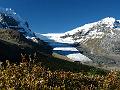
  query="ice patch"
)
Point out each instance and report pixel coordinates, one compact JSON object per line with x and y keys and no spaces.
{"x":78,"y":57}
{"x":65,"y":48}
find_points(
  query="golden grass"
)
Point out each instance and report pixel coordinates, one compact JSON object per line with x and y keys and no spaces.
{"x":26,"y":76}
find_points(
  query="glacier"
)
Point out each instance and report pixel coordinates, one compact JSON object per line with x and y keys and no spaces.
{"x":87,"y":31}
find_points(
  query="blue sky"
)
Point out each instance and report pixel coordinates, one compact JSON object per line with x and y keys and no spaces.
{"x":62,"y":15}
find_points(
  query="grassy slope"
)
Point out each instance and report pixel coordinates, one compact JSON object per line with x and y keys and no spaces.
{"x":30,"y":76}
{"x":59,"y":64}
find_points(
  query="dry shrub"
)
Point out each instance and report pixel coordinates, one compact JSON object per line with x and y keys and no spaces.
{"x":35,"y":77}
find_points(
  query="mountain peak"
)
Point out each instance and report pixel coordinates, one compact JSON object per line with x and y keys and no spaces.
{"x":109,"y":21}
{"x":10,"y":20}
{"x":90,"y":30}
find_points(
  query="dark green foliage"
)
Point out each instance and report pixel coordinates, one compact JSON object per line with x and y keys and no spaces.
{"x":58,"y":64}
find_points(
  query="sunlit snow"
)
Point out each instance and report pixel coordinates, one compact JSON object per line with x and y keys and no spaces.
{"x":78,"y":57}
{"x":66,"y":48}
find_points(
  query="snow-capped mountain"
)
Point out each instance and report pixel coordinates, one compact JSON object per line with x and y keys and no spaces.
{"x":16,"y":38}
{"x":99,"y":41}
{"x":90,"y":30}
{"x":11,"y":20}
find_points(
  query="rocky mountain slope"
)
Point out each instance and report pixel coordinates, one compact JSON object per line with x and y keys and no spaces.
{"x":16,"y":38}
{"x":99,"y":41}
